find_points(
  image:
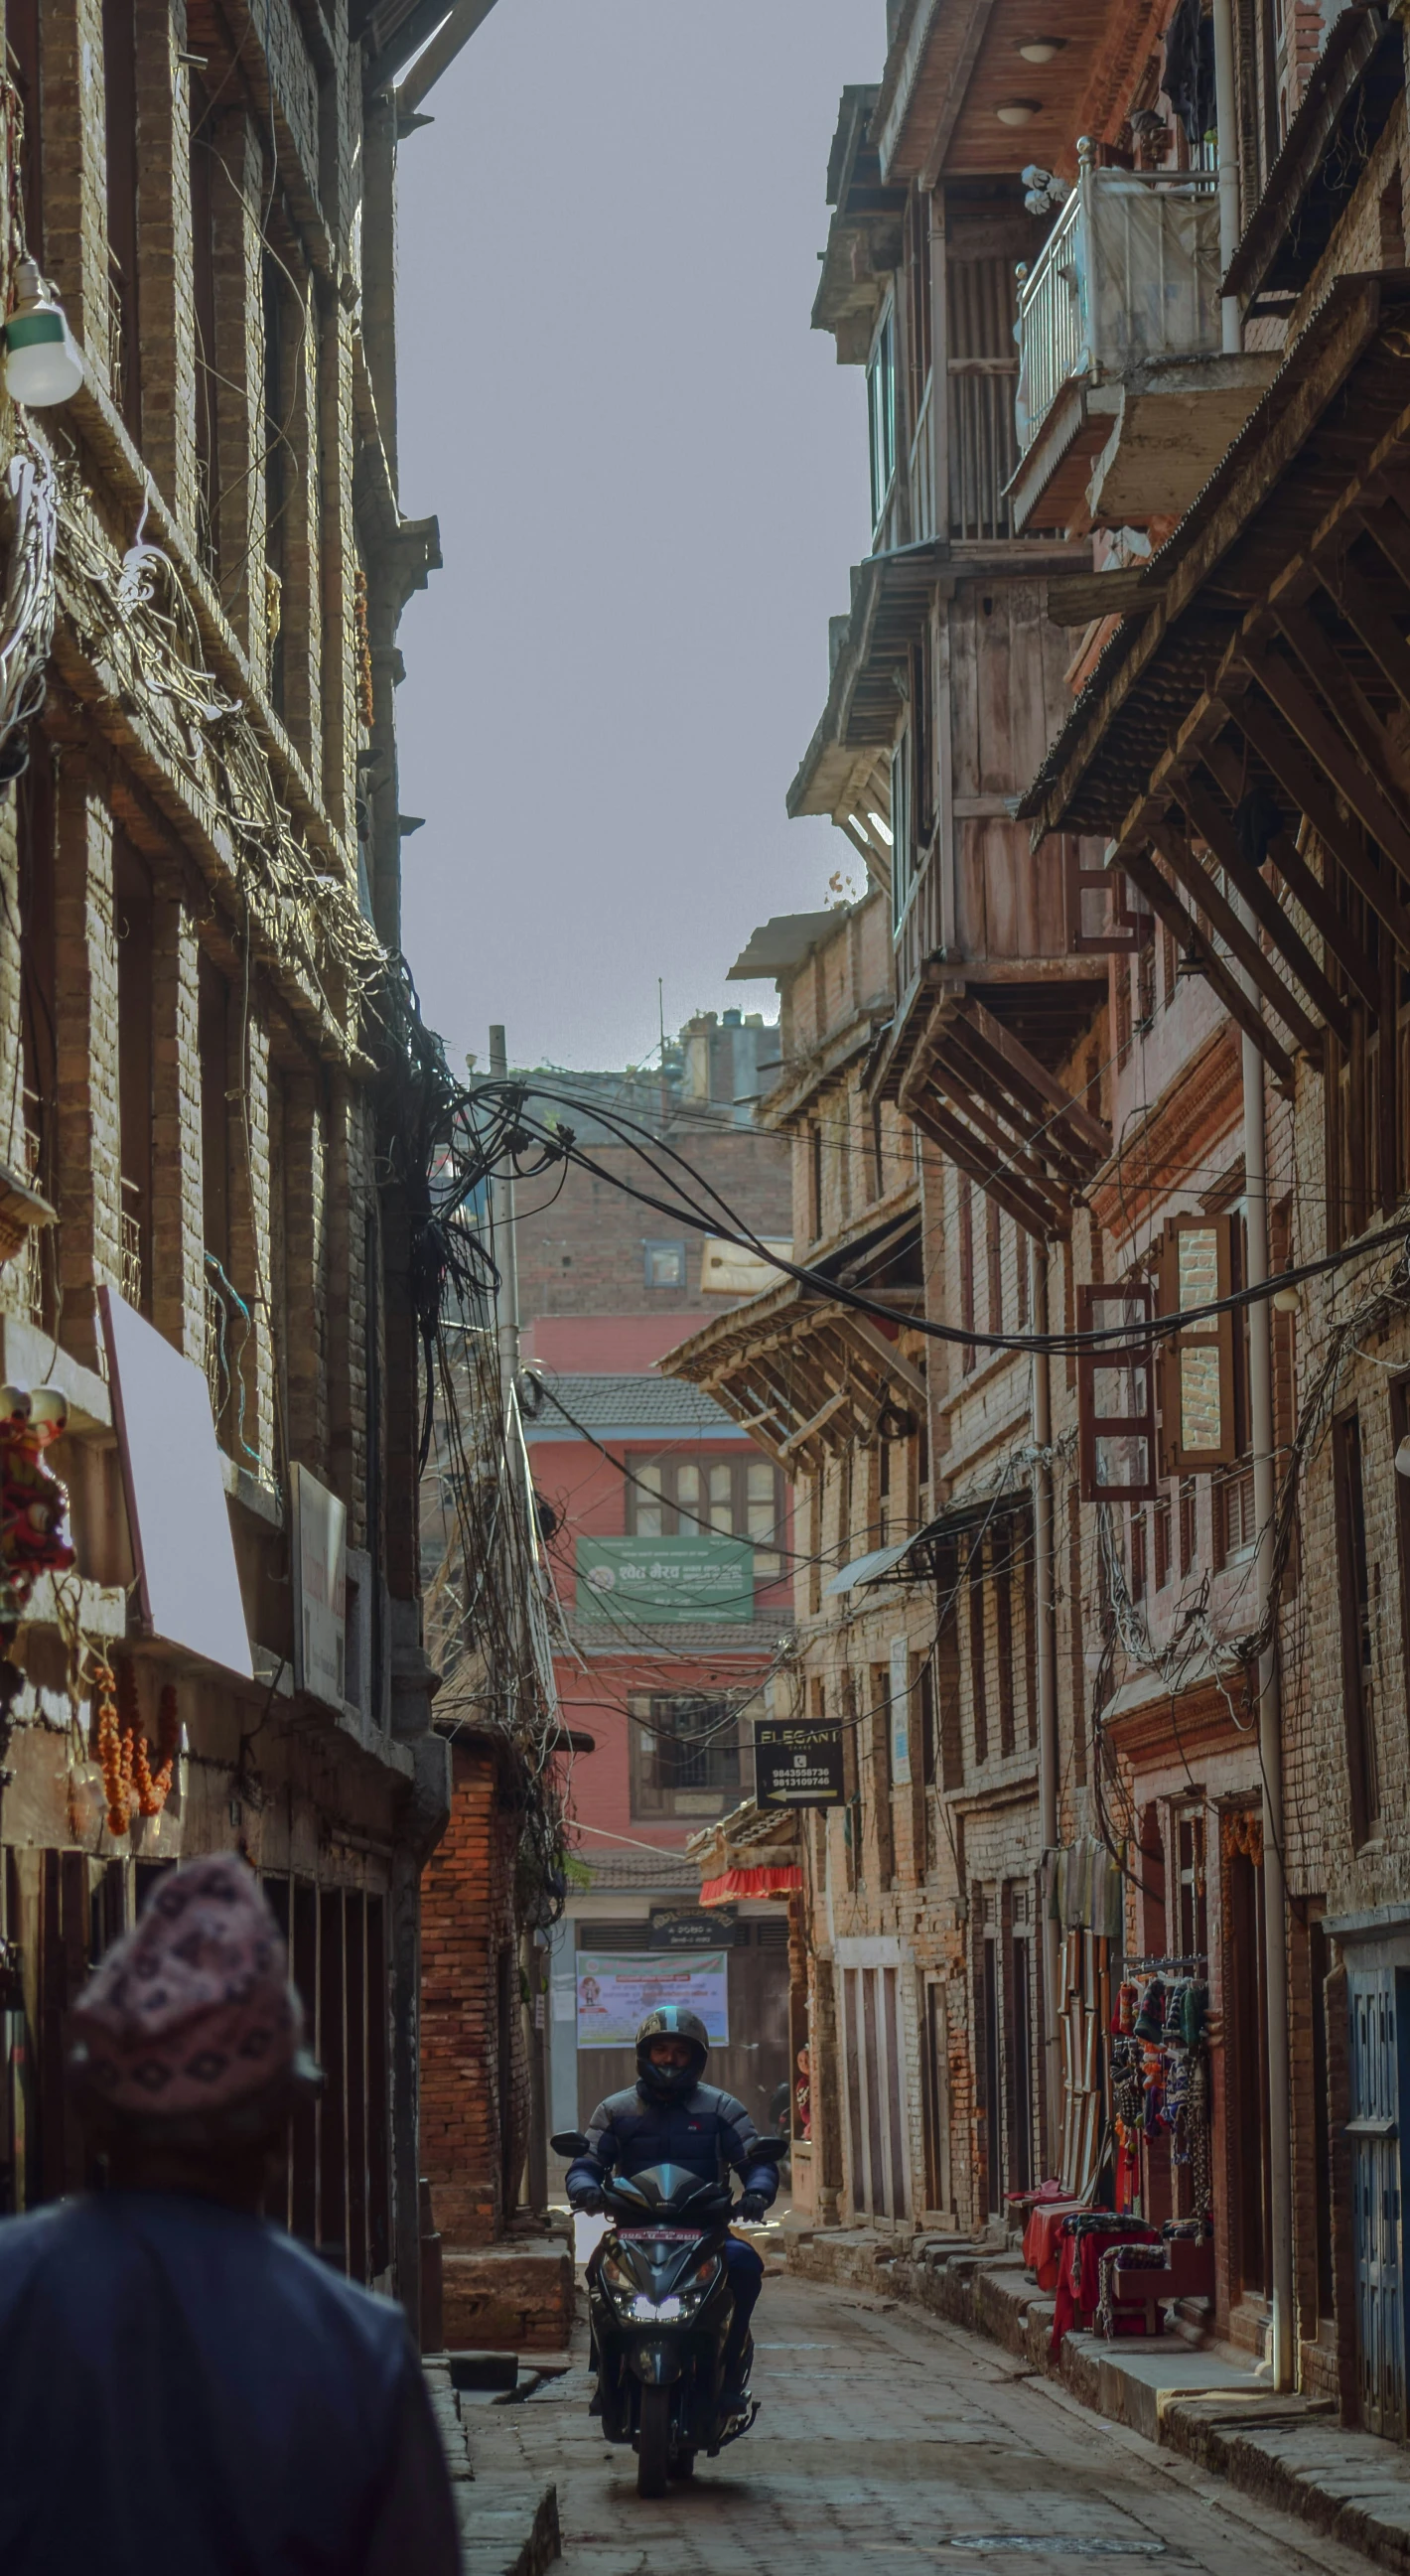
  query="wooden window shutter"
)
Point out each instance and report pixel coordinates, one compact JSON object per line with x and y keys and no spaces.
{"x":1195,"y":1376}
{"x":1116,"y":1421}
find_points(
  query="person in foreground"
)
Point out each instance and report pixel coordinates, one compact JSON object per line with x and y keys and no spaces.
{"x":185,"y":2390}
{"x":670,"y":2117}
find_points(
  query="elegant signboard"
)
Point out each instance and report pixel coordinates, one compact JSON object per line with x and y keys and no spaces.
{"x":797,"y":1765}
{"x":320,"y":1574}
{"x":690,"y":1927}
{"x":656,"y":1582}
{"x":616,"y":1991}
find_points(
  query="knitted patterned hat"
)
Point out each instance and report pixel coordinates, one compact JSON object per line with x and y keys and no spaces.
{"x":190,"y":2021}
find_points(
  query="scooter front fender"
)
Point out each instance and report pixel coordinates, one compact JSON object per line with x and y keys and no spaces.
{"x":655,"y":2364}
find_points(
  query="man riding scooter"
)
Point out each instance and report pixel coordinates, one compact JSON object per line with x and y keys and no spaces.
{"x":670,"y":2117}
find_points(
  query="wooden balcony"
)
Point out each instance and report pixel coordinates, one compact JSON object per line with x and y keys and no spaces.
{"x":990,"y":1004}
{"x":1125,"y":401}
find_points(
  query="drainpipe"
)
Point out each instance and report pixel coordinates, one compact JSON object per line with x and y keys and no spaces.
{"x":1046,"y":1674}
{"x":1283,"y":2354}
{"x":1226,"y":119}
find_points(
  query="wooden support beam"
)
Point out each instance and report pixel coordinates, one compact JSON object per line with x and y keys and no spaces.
{"x":1217,"y":829}
{"x":1302,"y":882}
{"x":900,"y":1370}
{"x":1165,"y":902}
{"x":1041,"y":1217}
{"x":1209,"y":898}
{"x":1305,"y":781}
{"x":1359,"y":760}
{"x":1026,"y":1070}
{"x":814,"y":1425}
{"x":965,"y":1081}
{"x":1357,"y":601}
{"x":1033,"y":1142}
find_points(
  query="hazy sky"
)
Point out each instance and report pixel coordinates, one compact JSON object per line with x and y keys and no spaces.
{"x":650,"y":476}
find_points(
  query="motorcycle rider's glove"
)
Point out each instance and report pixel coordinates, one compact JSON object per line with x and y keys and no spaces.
{"x":590,"y":2199}
{"x":752,"y":2204}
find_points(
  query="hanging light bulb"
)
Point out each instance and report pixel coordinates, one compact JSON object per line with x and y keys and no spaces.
{"x":43,"y":363}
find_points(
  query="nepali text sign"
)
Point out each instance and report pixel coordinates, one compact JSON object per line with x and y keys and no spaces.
{"x":797,"y":1766}
{"x":657,"y":1581}
{"x":616,"y":1991}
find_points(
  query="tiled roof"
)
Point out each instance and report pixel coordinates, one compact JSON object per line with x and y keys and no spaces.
{"x":638,"y":1869}
{"x":627,"y":1402}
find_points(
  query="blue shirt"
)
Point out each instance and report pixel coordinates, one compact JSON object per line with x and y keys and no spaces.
{"x":187,"y":2391}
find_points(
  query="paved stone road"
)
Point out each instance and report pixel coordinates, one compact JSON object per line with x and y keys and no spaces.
{"x":890,"y":2442}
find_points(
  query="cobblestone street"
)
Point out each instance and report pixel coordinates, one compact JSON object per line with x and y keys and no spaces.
{"x":895,"y":2443}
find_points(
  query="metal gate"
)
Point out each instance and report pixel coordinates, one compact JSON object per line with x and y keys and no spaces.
{"x":1377,"y":2000}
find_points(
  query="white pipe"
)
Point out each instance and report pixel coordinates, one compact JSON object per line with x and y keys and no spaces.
{"x":1283,"y":2355}
{"x":1226,"y":119}
{"x":1045,"y":1668}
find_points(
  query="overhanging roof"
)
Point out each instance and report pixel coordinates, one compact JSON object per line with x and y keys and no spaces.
{"x":1340,"y":383}
{"x":782,"y":944}
{"x":1355,"y":83}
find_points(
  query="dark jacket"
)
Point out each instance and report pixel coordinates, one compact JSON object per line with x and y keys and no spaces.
{"x":185,"y":2391}
{"x":706,"y":2131}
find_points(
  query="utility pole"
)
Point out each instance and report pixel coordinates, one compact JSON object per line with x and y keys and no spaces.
{"x":1044,"y":1621}
{"x":506,"y":1253}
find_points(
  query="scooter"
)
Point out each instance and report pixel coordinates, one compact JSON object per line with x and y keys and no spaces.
{"x":660,"y":2307}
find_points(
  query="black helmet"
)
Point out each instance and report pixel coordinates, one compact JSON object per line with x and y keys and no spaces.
{"x":671,"y":2083}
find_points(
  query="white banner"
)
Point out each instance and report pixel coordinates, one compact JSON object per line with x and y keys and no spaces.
{"x":616,"y":1991}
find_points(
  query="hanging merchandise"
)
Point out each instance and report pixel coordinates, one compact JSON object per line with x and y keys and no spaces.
{"x":130,"y":1785}
{"x":34,"y":1505}
{"x":1160,"y":2089}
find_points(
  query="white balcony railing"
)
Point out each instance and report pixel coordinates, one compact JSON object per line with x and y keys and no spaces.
{"x":1129,"y":273}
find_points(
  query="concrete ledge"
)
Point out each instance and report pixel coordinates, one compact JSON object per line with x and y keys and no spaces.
{"x":511,"y":2297}
{"x":506,"y":2529}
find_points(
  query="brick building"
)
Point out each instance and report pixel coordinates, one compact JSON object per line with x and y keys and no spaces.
{"x":198,"y":1023}
{"x":1117,"y":716}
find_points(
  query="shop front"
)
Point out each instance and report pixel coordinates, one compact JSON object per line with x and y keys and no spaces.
{"x":1164,"y":2159}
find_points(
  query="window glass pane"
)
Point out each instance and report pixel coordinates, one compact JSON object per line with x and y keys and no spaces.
{"x":1198,"y":1271}
{"x":665,"y":1264}
{"x":759,"y":1482}
{"x":1201,"y":1424}
{"x":688,"y":1488}
{"x":647,"y":1515}
{"x":1119,"y":1394}
{"x":722,"y":1497}
{"x":1121,"y":1460}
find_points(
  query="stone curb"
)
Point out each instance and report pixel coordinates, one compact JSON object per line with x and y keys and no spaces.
{"x":1288,"y":2452}
{"x":505,"y":2530}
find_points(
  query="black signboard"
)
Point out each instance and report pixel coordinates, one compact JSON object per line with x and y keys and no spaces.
{"x":797,"y":1765}
{"x":691,"y":1927}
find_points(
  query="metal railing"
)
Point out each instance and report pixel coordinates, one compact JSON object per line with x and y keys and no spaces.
{"x":1129,"y":272}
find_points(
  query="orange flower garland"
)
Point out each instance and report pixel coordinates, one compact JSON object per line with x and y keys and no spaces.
{"x":123,"y":1756}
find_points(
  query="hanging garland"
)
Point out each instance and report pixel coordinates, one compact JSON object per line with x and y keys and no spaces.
{"x":129,"y":1782}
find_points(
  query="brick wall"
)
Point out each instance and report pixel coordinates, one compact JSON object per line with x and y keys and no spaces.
{"x":474,"y":2075}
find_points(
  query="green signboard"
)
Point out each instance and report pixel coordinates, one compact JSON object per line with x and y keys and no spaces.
{"x":657,"y":1581}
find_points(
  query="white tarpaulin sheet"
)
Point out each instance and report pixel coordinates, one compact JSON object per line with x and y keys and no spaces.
{"x":176,"y":1507}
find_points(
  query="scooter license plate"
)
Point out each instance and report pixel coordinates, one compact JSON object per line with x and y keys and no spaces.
{"x":659,"y":2235}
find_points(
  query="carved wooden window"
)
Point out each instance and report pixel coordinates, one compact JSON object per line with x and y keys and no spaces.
{"x":1195,"y":1367}
{"x":1106,"y":917}
{"x":1116,"y":1423}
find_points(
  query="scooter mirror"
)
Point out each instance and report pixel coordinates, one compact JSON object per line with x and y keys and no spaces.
{"x":569,"y":2142}
{"x":770,"y":2151}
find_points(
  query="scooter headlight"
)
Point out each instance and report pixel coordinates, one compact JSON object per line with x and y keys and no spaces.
{"x":657,"y":2312}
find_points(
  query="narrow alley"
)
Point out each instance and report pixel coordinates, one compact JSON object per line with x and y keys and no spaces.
{"x":889,"y":2438}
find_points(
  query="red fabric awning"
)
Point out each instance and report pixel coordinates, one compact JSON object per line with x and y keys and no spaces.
{"x":774,"y":1881}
